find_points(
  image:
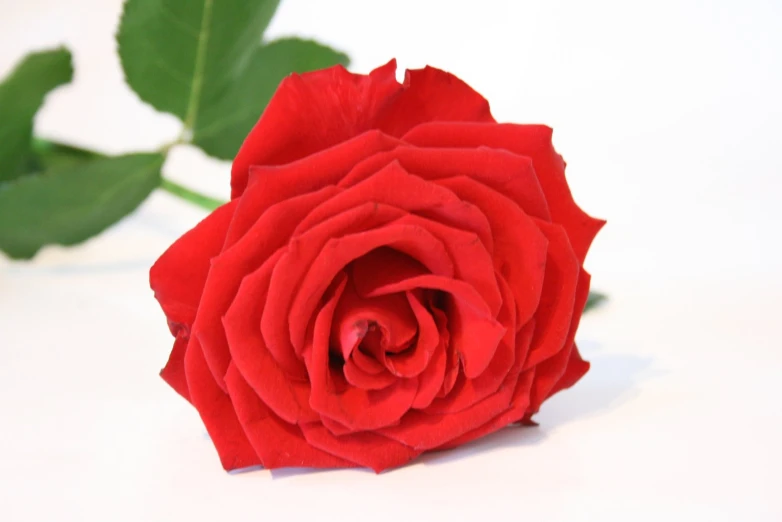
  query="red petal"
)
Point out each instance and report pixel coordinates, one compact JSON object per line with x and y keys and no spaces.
{"x":290,"y":271}
{"x":356,"y":376}
{"x":467,"y":392}
{"x":430,"y":94}
{"x":352,"y":407}
{"x":576,"y":368}
{"x":520,"y":247}
{"x":178,"y":277}
{"x":555,"y":313}
{"x":311,"y":173}
{"x":551,"y":375}
{"x":474,"y":333}
{"x":528,"y":140}
{"x":337,"y":253}
{"x":416,"y":358}
{"x":174,"y":371}
{"x":393,"y":186}
{"x":391,"y":313}
{"x":423,"y":431}
{"x":366,"y":449}
{"x":287,"y":396}
{"x":312,"y":112}
{"x":519,"y":404}
{"x":265,"y":237}
{"x":505,"y":172}
{"x":277,"y":443}
{"x":217,"y":412}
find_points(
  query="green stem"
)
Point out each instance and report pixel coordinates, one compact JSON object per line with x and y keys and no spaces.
{"x":42,"y":148}
{"x":193,"y":197}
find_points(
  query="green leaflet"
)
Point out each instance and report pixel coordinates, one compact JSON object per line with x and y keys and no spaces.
{"x":73,"y":200}
{"x":21,"y":95}
{"x":225,"y":123}
{"x":203,"y":61}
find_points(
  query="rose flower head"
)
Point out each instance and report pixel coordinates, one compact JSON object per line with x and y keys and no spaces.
{"x":395,"y":273}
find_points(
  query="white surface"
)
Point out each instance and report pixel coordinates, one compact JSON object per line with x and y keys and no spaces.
{"x":668,"y":114}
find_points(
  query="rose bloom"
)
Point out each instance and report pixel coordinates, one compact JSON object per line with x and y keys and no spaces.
{"x":395,"y":273}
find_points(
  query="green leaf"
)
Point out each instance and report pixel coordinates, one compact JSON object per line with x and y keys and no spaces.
{"x":73,"y":201}
{"x":21,"y":95}
{"x":224,"y":123}
{"x":181,"y":54}
{"x":203,"y":61}
{"x":594,"y":300}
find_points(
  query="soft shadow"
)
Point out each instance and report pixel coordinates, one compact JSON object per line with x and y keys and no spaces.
{"x":284,"y":473}
{"x":509,"y":437}
{"x":611,"y":381}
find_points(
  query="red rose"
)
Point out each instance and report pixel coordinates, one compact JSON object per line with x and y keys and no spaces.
{"x":395,"y":273}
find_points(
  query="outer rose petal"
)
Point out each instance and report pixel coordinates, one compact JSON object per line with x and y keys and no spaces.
{"x":217,"y":412}
{"x":528,"y":140}
{"x":392,"y":185}
{"x":424,"y":431}
{"x":365,"y":448}
{"x":268,"y":234}
{"x":309,"y":174}
{"x":312,"y":112}
{"x":178,"y":277}
{"x":286,"y":396}
{"x":277,"y":443}
{"x":552,"y":371}
{"x":557,"y":311}
{"x":505,"y":172}
{"x":431,"y":94}
{"x":520,"y":247}
{"x":519,"y":404}
{"x":174,"y":371}
{"x":576,"y":368}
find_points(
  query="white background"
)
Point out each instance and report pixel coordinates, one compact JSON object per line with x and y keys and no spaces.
{"x":668,"y":114}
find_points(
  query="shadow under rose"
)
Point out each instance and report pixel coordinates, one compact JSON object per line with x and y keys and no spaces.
{"x":612,"y":381}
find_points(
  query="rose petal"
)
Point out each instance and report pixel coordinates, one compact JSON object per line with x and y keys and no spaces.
{"x":430,"y":94}
{"x":576,"y":368}
{"x":381,"y":267}
{"x":217,"y":412}
{"x":288,"y":397}
{"x":551,"y":374}
{"x":520,"y":249}
{"x":475,"y":334}
{"x":554,"y":377}
{"x":416,"y":358}
{"x":338,"y":252}
{"x":519,"y":404}
{"x":270,"y":184}
{"x":312,"y":112}
{"x":277,"y":443}
{"x":365,"y":448}
{"x":556,"y":309}
{"x":393,"y":186}
{"x":353,"y":407}
{"x":527,"y":140}
{"x":356,"y":376}
{"x":290,"y":271}
{"x":174,"y":371}
{"x":265,"y":237}
{"x":391,"y":313}
{"x":423,"y":431}
{"x":178,"y":277}
{"x":467,"y":392}
{"x":503,"y":171}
